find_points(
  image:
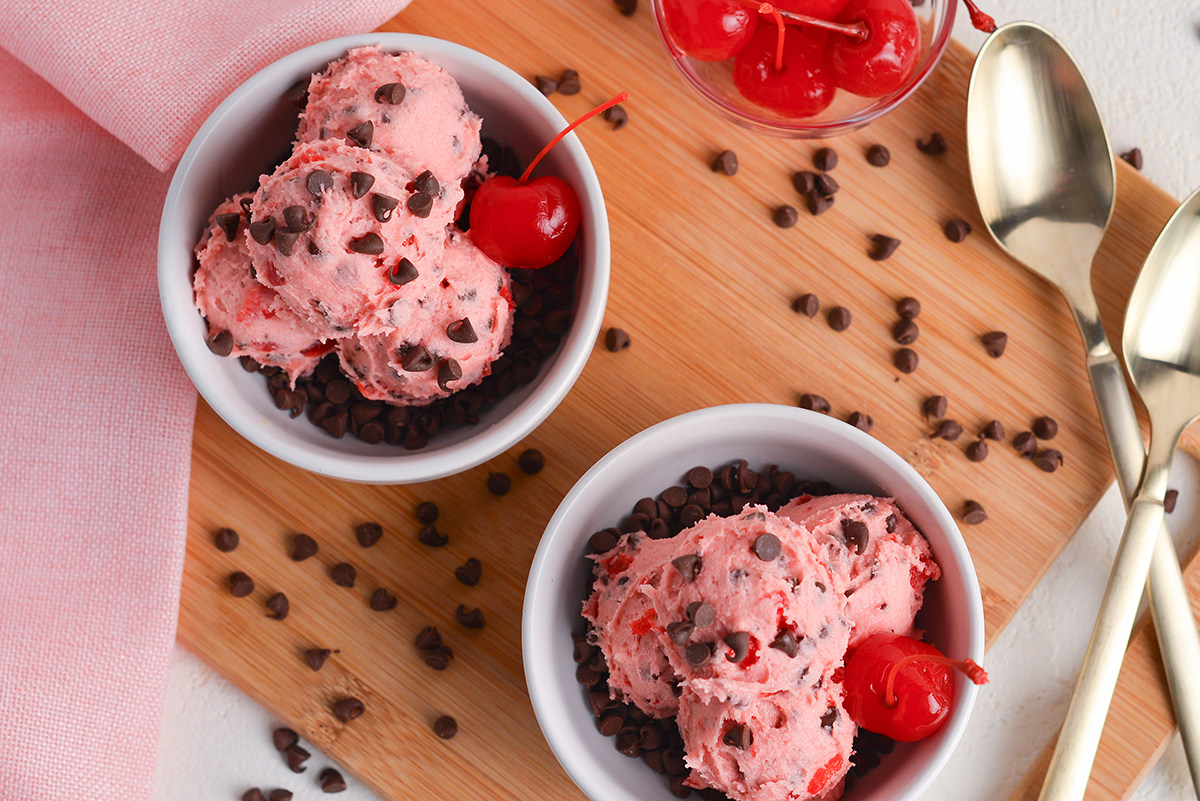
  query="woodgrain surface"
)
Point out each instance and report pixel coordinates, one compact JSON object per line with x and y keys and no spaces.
{"x":703,"y":281}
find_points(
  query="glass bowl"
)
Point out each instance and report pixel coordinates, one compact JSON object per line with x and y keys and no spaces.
{"x":848,"y":112}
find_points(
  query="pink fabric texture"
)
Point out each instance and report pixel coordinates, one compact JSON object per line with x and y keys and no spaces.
{"x":96,"y":412}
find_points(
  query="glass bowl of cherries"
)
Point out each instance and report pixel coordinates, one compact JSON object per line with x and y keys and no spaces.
{"x":805,"y":68}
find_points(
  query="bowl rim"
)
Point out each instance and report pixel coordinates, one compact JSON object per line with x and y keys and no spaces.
{"x":538,"y":614}
{"x":487,"y":440}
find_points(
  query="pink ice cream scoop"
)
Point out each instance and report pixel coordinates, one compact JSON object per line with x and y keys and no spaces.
{"x":441,"y":340}
{"x":397,"y":104}
{"x":340,"y":232}
{"x":259,"y":323}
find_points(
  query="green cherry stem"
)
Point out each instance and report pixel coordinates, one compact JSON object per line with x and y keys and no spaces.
{"x":602,"y":107}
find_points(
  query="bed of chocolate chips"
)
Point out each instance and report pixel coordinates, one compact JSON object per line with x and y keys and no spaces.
{"x":723,"y":491}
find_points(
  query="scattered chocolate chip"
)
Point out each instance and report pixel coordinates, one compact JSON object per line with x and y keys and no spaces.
{"x":360,"y":183}
{"x":303,"y":546}
{"x":908,"y":308}
{"x":295,"y":756}
{"x":935,"y":406}
{"x":469,"y":572}
{"x":429,"y":535}
{"x":261,"y":231}
{"x":449,"y":371}
{"x":1048,"y":460}
{"x":315,"y":657}
{"x":905,"y":331}
{"x":245,"y":203}
{"x":739,"y":643}
{"x":702,"y":613}
{"x":826,"y":185}
{"x":318,"y":181}
{"x":726,"y":162}
{"x":427,"y":183}
{"x":767,"y":547}
{"x":617,"y":116}
{"x":700,"y":477}
{"x":568,"y":83}
{"x":935,"y":145}
{"x":499,"y":483}
{"x":806,"y":304}
{"x":993,"y":430}
{"x":818,"y":203}
{"x":948,"y":430}
{"x":829,"y":718}
{"x":362,"y":134}
{"x":445,"y":727}
{"x":462,"y":331}
{"x":1045,"y":428}
{"x":785,"y":216}
{"x":331,"y":781}
{"x":438,"y":658}
{"x":531,"y":461}
{"x":404,"y":272}
{"x":890,"y":524}
{"x":805,"y":181}
{"x":220,"y":343}
{"x":977,"y":451}
{"x":390,"y":93}
{"x":957,"y":230}
{"x":680,"y":631}
{"x":883,"y":246}
{"x":786,"y":642}
{"x":861,"y":421}
{"x":253,"y":794}
{"x":280,"y":794}
{"x":278,"y":606}
{"x":226,"y":540}
{"x":839,"y":318}
{"x":285,"y":241}
{"x":417,"y":360}
{"x":545,"y":84}
{"x":420,"y":204}
{"x":229,"y":224}
{"x":994,"y":342}
{"x":1025,"y":444}
{"x":428,"y":638}
{"x":343,"y":574}
{"x":698,"y":654}
{"x":370,"y":244}
{"x":906,"y":360}
{"x":878,"y":156}
{"x":973,"y":513}
{"x":382,"y":600}
{"x":1169,"y":500}
{"x":368,"y":534}
{"x":825,"y":159}
{"x":688,"y":566}
{"x":855,"y":533}
{"x":347,"y":709}
{"x":739,"y":737}
{"x":297,"y":219}
{"x":240,"y":585}
{"x":1133,"y":157}
{"x":382,"y":206}
{"x":617,"y":340}
{"x":284,"y":738}
{"x":626,"y":7}
{"x":814,"y":403}
{"x":469,"y":618}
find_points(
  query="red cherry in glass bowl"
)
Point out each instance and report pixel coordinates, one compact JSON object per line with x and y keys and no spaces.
{"x":710,"y":30}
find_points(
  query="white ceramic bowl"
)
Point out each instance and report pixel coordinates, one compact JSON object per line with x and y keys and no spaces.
{"x":249,"y":133}
{"x":813,"y":446}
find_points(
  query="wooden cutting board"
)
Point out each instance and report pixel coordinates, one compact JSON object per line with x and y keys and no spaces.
{"x":703,"y":281}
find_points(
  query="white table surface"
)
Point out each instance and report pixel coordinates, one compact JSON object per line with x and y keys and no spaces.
{"x":1141,"y":61}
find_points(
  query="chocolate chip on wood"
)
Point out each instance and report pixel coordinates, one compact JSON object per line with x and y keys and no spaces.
{"x":839,"y":318}
{"x":240,"y":585}
{"x":531,"y":461}
{"x":994,"y":342}
{"x":878,"y":156}
{"x":226,"y":540}
{"x":347,"y":709}
{"x":368,"y":534}
{"x":785,"y":216}
{"x":315,"y":657}
{"x":936,"y":144}
{"x":303,"y":547}
{"x":973,"y":513}
{"x":617,"y":340}
{"x":935,"y":406}
{"x":883,"y":246}
{"x":726,"y":162}
{"x":499,"y":483}
{"x":825,"y":159}
{"x":445,"y":727}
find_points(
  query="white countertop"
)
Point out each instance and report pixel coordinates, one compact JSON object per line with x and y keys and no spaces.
{"x":1141,"y":61}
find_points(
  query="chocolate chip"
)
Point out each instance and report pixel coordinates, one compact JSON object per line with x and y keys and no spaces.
{"x":285,"y":241}
{"x":957,"y":230}
{"x":382,"y":206}
{"x":726,"y":162}
{"x":226,"y":540}
{"x":805,"y":181}
{"x":702,"y":613}
{"x":545,"y":84}
{"x":994,"y":342}
{"x":347,"y":709}
{"x":688,"y":566}
{"x":280,"y":794}
{"x":445,"y":727}
{"x":469,"y":572}
{"x":935,"y":406}
{"x":229,"y":224}
{"x":262,"y":230}
{"x":1169,"y":500}
{"x":698,"y":654}
{"x":240,"y":585}
{"x":368,"y":534}
{"x":448,"y":371}
{"x":427,"y":183}
{"x":739,"y":643}
{"x":390,"y":93}
{"x":1133,"y":157}
{"x":315,"y":657}
{"x":303,"y":546}
{"x":360,"y":183}
{"x":429,"y":535}
{"x":786,"y":642}
{"x":807,"y":304}
{"x":993,"y":430}
{"x":905,"y":331}
{"x":568,"y":83}
{"x":295,"y":756}
{"x":825,"y":159}
{"x":420,"y":204}
{"x":343,"y":574}
{"x":253,"y":794}
{"x":977,"y":451}
{"x":839,"y":318}
{"x":908,"y":308}
{"x":699,"y":477}
{"x":814,"y":403}
{"x":878,"y":156}
{"x":1048,"y":460}
{"x":826,"y":185}
{"x":855,"y":533}
{"x":739,"y":737}
{"x":428,"y":638}
{"x":331,"y":780}
{"x":861,"y":421}
{"x":883,"y":246}
{"x":416,"y":360}
{"x":404,"y":272}
{"x":973,"y":513}
{"x":531,"y":461}
{"x":906,"y":360}
{"x":617,"y":340}
{"x":337,"y":391}
{"x":1025,"y":444}
{"x":680,"y":631}
{"x":278,"y":606}
{"x":890,"y":524}
{"x":818,"y":203}
{"x":948,"y":430}
{"x":1045,"y":428}
{"x":626,"y":7}
{"x":935,"y":145}
{"x":767,"y":547}
{"x":499,"y":483}
{"x":370,"y":244}
{"x":469,"y":618}
{"x":382,"y":600}
{"x":462,"y":331}
{"x":617,"y":116}
{"x":362,"y":134}
{"x":284,"y":738}
{"x":245,"y":203}
{"x":785,"y":216}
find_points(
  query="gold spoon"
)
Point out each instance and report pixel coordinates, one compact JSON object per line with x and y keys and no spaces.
{"x":1045,"y":181}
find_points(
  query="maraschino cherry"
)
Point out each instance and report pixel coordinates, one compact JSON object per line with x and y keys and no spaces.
{"x":883,"y":61}
{"x":526,"y":224}
{"x":709,"y":30}
{"x":784,"y":70}
{"x":900,"y":687}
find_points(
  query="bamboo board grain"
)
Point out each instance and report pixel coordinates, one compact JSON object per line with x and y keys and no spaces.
{"x":703,"y":281}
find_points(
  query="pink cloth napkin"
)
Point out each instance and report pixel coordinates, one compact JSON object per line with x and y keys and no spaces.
{"x":96,"y":412}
